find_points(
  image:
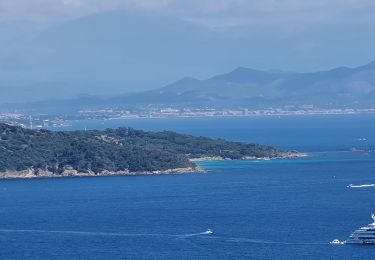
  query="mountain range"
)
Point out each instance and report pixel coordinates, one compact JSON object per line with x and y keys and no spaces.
{"x":338,"y":87}
{"x":123,"y":58}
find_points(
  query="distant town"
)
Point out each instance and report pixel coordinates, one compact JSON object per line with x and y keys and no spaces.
{"x":35,"y":121}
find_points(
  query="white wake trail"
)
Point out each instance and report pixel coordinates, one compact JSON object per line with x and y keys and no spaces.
{"x":259,"y":241}
{"x":85,"y":233}
{"x":361,"y":186}
{"x":207,"y":232}
{"x":88,"y":233}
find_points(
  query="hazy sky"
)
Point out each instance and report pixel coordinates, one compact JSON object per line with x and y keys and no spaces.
{"x":41,"y":42}
{"x":211,"y":12}
{"x":308,"y":22}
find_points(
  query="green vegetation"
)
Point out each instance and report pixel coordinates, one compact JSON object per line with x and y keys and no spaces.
{"x":113,"y":150}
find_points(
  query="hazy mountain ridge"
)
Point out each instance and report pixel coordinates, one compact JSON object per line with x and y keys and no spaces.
{"x":339,"y":87}
{"x":120,"y":52}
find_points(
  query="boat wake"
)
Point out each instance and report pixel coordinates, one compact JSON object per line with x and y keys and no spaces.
{"x":88,"y":233}
{"x":68,"y":232}
{"x":361,"y":186}
{"x":259,"y":241}
{"x":207,"y":232}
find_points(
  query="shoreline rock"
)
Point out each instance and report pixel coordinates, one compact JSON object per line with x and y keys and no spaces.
{"x":34,"y":174}
{"x":286,"y":155}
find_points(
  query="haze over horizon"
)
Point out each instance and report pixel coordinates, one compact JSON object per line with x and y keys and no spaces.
{"x":63,"y":48}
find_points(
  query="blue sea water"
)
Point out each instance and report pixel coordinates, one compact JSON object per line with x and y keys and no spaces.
{"x":283,"y":209}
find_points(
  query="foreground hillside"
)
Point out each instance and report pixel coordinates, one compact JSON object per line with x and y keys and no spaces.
{"x":113,"y":151}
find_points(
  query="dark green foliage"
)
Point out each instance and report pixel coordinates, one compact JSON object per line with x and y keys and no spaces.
{"x":113,"y":150}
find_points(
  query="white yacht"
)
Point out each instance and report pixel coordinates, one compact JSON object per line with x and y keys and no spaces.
{"x":363,"y":235}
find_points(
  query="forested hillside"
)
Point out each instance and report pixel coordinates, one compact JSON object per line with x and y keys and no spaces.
{"x":122,"y":149}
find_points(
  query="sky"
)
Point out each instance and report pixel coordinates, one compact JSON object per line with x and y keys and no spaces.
{"x":208,"y":12}
{"x":291,"y":17}
{"x":284,"y":18}
{"x":289,"y":35}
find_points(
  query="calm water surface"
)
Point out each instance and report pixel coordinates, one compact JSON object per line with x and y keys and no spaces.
{"x":287,"y":209}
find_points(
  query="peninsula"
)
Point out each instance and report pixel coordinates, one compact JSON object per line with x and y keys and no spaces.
{"x":26,"y":153}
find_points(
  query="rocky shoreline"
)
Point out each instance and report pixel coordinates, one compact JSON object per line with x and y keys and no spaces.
{"x":33,"y":173}
{"x":286,"y":155}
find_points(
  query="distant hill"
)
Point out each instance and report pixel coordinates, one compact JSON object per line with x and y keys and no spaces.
{"x":339,"y":87}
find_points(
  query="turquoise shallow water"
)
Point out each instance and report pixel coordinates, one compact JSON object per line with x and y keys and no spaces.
{"x":283,"y":209}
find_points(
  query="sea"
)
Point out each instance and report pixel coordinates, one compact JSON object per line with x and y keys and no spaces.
{"x":277,"y":209}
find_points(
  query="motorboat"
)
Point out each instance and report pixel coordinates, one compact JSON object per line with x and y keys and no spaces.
{"x":207,"y":232}
{"x":337,"y":242}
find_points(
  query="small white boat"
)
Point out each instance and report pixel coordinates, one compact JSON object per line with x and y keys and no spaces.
{"x":207,"y":232}
{"x":336,"y":242}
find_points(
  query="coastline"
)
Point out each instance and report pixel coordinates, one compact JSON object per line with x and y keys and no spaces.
{"x":32,"y":173}
{"x":20,"y":119}
{"x":71,"y":173}
{"x":287,"y":155}
{"x":285,"y":113}
{"x":234,"y":113}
